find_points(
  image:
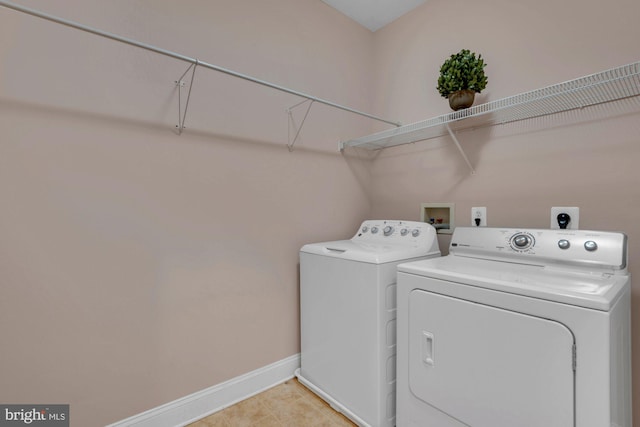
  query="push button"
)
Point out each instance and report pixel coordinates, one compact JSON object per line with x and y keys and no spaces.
{"x":590,"y":245}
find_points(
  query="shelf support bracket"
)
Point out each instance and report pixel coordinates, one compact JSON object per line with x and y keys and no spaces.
{"x":464,"y":156}
{"x":292,"y":123}
{"x":180,"y":84}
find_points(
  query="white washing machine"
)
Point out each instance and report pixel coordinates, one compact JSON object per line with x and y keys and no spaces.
{"x":524,"y":328}
{"x":348,"y":316}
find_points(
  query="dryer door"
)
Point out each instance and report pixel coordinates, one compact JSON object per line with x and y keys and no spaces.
{"x":490,"y":367}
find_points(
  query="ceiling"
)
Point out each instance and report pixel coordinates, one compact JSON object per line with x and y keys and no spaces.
{"x":374,"y":14}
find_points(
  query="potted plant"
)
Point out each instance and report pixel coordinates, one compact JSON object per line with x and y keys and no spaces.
{"x":461,"y":77}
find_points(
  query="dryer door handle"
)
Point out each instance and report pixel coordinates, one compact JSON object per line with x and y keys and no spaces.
{"x":427,"y":348}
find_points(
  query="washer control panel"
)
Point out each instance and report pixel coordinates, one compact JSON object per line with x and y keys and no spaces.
{"x":542,"y":246}
{"x":394,"y":232}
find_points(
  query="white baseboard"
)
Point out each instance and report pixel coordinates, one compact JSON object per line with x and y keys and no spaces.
{"x":190,"y":408}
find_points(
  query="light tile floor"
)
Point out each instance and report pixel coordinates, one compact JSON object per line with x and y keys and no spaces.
{"x":287,"y":405}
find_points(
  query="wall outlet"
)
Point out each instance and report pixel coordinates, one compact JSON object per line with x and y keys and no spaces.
{"x":573,"y":212}
{"x":479,"y":217}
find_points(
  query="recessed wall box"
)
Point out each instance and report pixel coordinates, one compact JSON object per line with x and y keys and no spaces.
{"x":440,"y":215}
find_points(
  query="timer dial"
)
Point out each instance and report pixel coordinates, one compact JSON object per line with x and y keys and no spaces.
{"x":521,"y":241}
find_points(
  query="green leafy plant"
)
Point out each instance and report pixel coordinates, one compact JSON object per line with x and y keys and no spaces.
{"x":462,"y":71}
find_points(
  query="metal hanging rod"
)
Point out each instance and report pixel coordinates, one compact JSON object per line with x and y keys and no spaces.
{"x":180,"y":57}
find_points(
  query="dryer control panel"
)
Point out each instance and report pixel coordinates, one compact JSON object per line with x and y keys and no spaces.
{"x":590,"y":249}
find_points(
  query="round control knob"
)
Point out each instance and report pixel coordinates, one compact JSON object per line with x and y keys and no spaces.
{"x":365,"y":229}
{"x":374,"y":230}
{"x":404,"y":231}
{"x":415,"y":232}
{"x":521,"y":241}
{"x":564,"y":244}
{"x":590,"y":245}
{"x":388,"y":230}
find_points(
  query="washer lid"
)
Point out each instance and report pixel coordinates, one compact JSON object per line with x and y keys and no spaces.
{"x":375,"y":253}
{"x":382,"y":241}
{"x":585,"y":289}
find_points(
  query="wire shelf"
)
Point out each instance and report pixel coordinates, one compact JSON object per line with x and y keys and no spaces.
{"x":607,"y":86}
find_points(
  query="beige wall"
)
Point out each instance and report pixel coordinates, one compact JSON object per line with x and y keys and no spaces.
{"x":139,"y":266}
{"x":524,"y":169}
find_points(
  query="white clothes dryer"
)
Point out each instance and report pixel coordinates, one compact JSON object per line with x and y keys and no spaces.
{"x":348,"y":316}
{"x":515,"y":327}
